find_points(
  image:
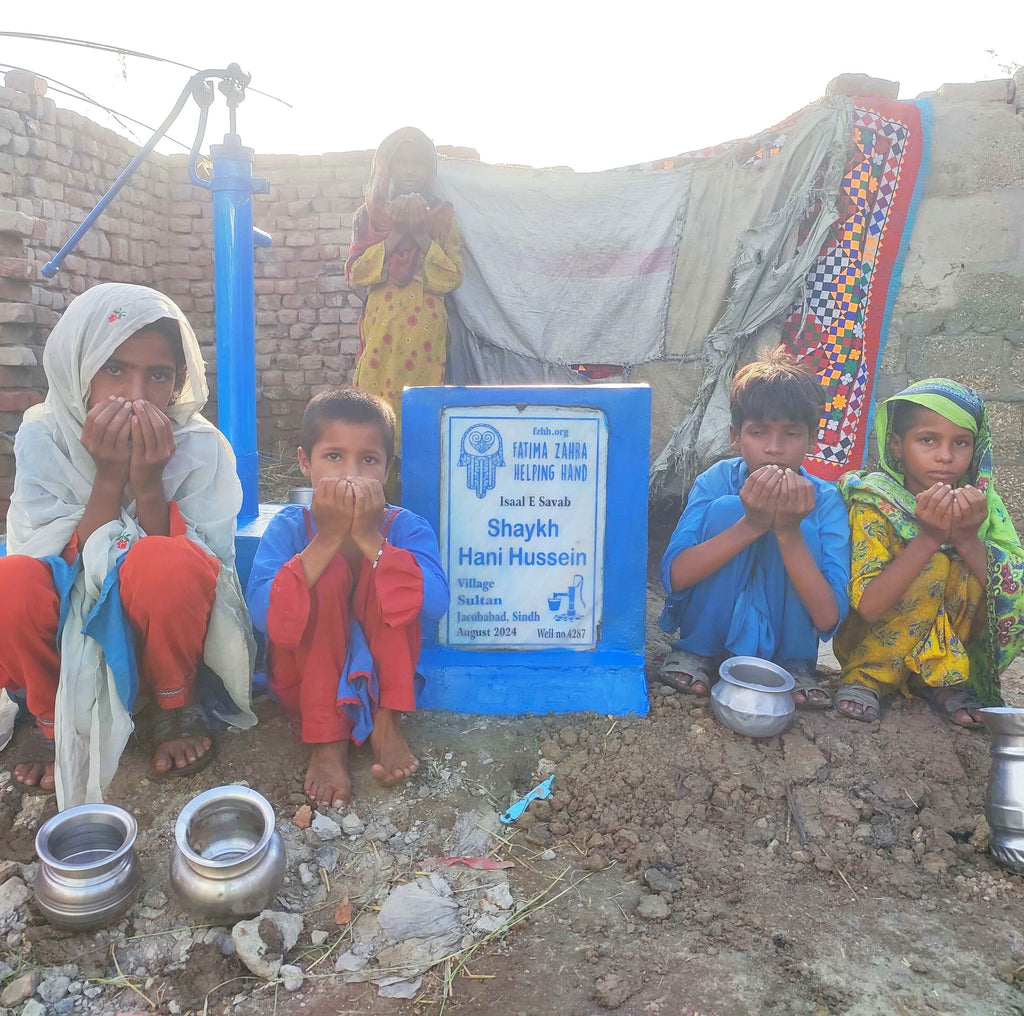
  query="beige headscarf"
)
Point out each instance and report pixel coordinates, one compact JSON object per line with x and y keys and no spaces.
{"x":53,"y":480}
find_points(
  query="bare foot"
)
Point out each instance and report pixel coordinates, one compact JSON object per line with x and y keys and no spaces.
{"x":180,"y":752}
{"x":36,"y":774}
{"x":327,"y":780}
{"x":393,"y":761}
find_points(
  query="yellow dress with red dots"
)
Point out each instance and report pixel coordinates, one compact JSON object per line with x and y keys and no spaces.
{"x":404,"y":329}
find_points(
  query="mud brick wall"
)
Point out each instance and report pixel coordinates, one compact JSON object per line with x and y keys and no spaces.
{"x":959,"y":311}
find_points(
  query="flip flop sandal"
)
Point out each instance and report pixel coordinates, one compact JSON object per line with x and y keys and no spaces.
{"x":174,"y":724}
{"x":815,"y":697}
{"x":948,"y":707}
{"x":39,"y":750}
{"x":682,"y":669}
{"x":864,"y":697}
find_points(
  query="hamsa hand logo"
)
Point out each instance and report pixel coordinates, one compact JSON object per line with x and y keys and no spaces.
{"x":481,"y":454}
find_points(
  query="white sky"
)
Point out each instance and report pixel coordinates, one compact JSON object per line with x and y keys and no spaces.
{"x":543,"y":82}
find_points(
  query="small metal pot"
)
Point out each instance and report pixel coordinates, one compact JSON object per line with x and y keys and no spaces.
{"x":1004,"y":799}
{"x":753,"y":696}
{"x":229,"y":859}
{"x":88,"y":872}
{"x":300,"y":495}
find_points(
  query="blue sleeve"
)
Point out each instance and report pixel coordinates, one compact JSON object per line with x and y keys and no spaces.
{"x":834,"y":530}
{"x":708,"y":487}
{"x":712,"y":484}
{"x":414,"y":534}
{"x":281,"y":541}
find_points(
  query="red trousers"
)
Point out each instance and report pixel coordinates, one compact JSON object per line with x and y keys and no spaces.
{"x":168,"y":585}
{"x":308,"y":633}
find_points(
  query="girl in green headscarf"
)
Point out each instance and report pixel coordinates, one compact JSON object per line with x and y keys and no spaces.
{"x":937,"y":569}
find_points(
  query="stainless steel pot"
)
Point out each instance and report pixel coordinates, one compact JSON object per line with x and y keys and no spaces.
{"x":753,"y":696}
{"x":1004,"y":800}
{"x":229,"y":859}
{"x":88,"y":872}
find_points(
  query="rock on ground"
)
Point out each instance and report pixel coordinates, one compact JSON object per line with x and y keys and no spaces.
{"x":262,"y":942}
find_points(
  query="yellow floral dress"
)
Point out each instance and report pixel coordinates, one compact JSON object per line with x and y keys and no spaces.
{"x":925,"y":632}
{"x":404,"y":329}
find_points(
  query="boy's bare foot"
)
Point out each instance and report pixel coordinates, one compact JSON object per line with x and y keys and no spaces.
{"x":393,"y":761}
{"x":327,"y":780}
{"x":180,"y":752}
{"x":35,"y":774}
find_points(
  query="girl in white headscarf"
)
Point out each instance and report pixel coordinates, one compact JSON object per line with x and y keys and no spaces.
{"x":121,"y":531}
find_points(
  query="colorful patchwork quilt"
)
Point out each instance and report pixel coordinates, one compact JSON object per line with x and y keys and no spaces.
{"x":840,"y":325}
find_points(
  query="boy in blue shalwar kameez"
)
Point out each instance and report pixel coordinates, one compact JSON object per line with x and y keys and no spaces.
{"x":759,"y":562}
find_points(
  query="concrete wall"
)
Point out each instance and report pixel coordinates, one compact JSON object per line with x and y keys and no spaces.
{"x":959,"y":311}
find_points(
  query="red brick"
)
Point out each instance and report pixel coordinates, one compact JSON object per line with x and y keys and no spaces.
{"x":12,"y":401}
{"x":17,"y":268}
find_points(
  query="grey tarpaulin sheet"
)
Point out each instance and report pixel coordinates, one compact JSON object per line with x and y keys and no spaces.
{"x":637,"y":265}
{"x":566,"y":267}
{"x":474,"y":361}
{"x":768,"y":268}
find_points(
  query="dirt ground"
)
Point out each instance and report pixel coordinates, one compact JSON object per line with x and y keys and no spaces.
{"x":678,"y":869}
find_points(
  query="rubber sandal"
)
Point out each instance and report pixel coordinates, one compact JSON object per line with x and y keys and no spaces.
{"x":805,"y":682}
{"x":682,"y":669}
{"x":39,"y":750}
{"x":955,"y":700}
{"x":862,"y":696}
{"x":174,"y":724}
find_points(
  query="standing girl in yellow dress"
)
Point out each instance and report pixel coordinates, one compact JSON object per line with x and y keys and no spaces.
{"x":937,"y":569}
{"x":407,"y":250}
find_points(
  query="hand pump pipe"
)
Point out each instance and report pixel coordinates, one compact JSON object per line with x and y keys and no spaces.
{"x":232,"y":186}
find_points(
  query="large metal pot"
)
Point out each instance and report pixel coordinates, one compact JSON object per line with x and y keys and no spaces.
{"x":229,"y":859}
{"x":1004,"y":800}
{"x":88,"y":872}
{"x":753,"y":696}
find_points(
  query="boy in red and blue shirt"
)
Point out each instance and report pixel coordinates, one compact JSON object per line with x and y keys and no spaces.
{"x":340,"y":590}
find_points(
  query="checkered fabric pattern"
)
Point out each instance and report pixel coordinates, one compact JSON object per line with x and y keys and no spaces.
{"x":836,"y":327}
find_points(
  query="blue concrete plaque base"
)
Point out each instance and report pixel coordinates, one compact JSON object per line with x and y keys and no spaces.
{"x":539,"y":499}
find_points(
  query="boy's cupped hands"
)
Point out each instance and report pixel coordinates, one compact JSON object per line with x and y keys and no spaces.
{"x":349,"y":507}
{"x":776,"y":498}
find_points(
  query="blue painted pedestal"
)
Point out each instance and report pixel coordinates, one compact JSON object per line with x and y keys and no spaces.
{"x":539,"y":499}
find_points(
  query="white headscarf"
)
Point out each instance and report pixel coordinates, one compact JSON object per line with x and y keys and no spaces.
{"x":53,"y":480}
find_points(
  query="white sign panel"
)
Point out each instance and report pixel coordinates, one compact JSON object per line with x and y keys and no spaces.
{"x":522,"y":525}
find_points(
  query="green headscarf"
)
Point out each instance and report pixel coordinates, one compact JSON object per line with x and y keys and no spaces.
{"x":991,"y":653}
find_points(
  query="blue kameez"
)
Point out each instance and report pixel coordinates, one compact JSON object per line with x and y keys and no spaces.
{"x":749,"y":606}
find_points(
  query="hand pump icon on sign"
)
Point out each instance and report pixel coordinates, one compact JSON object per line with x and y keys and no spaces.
{"x":569,"y":597}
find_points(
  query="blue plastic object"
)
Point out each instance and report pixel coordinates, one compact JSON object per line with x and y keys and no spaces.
{"x":539,"y":793}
